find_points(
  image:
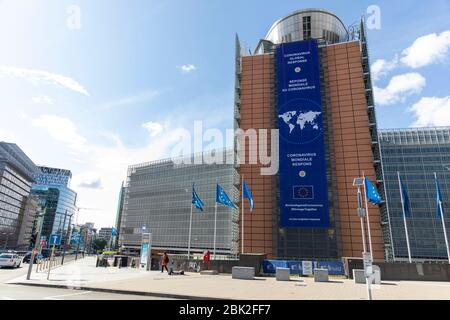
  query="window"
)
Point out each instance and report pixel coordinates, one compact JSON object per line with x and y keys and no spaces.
{"x":306,"y":27}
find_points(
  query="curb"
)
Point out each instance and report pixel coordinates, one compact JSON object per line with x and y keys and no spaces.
{"x":118,"y":291}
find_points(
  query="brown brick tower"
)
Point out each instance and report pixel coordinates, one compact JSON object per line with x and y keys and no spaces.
{"x":350,"y":135}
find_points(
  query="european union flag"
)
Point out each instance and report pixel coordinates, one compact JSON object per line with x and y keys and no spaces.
{"x":371,"y":192}
{"x":247,"y":194}
{"x":114,"y":232}
{"x":404,"y":192}
{"x":196,"y":200}
{"x":222,"y":198}
{"x":438,"y":200}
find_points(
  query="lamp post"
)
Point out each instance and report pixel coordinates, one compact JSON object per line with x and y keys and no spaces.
{"x":65,"y":241}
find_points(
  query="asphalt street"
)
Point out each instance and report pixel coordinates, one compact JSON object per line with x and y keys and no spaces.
{"x":20,"y":292}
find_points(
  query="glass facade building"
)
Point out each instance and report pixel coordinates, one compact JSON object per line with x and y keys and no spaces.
{"x":16,"y":176}
{"x":158,"y":196}
{"x":55,"y":199}
{"x":417,"y":154}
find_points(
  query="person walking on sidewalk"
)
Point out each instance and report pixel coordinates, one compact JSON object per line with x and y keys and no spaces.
{"x":164,"y":262}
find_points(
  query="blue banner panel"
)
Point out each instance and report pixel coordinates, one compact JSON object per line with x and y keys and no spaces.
{"x":335,"y":268}
{"x":270,"y":266}
{"x":303,"y":180}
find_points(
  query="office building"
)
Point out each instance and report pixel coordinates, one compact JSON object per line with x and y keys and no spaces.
{"x":158,"y":199}
{"x":17,"y":208}
{"x":310,"y":78}
{"x":417,"y":154}
{"x":106,"y":234}
{"x":56,"y":201}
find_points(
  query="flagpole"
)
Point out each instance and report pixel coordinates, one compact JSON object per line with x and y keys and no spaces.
{"x":243,"y":217}
{"x":215,"y":228}
{"x":404,"y":217}
{"x":367,"y":217}
{"x":443,"y":222}
{"x":190,"y":233}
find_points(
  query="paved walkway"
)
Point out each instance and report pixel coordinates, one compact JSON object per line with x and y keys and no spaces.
{"x":84,"y":274}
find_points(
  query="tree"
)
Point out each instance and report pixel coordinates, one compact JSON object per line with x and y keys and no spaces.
{"x":100,"y":244}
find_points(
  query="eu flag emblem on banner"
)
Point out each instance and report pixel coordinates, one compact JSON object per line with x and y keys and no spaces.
{"x":404,"y":192}
{"x":247,"y":195}
{"x":196,"y":200}
{"x":438,"y":200}
{"x":113,"y":232}
{"x":222,"y":198}
{"x":371,"y":192}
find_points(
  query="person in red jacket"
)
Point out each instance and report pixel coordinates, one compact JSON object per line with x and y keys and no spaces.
{"x":164,"y":262}
{"x":206,"y":259}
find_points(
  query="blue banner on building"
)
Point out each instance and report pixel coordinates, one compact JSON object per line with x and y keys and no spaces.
{"x":335,"y":268}
{"x":303,"y":180}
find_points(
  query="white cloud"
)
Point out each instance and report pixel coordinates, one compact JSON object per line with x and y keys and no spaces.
{"x":42,"y":99}
{"x":62,"y":130}
{"x":88,"y":180}
{"x":431,"y":112}
{"x":427,"y":50}
{"x":131,"y":100}
{"x":186,"y":68}
{"x":154,"y":128}
{"x":41,"y":76}
{"x":399,"y":88}
{"x":381,"y":68}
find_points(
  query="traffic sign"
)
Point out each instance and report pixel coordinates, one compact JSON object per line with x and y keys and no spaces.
{"x":55,"y":239}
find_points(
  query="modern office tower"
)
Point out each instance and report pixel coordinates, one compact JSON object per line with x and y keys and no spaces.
{"x":88,"y":234}
{"x":158,"y":197}
{"x":310,"y":78}
{"x":417,"y":154}
{"x":16,"y":206}
{"x":56,"y":201}
{"x":105,"y":233}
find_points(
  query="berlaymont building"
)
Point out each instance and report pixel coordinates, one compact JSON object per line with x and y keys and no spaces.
{"x":309,"y":77}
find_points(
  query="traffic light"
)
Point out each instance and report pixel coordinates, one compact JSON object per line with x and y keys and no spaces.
{"x":33,"y":239}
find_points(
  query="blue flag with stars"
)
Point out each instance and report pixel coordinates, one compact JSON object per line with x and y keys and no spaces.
{"x":406,"y":208}
{"x":371,"y":192}
{"x":196,"y":201}
{"x":247,"y":195}
{"x":438,"y":200}
{"x":222,"y":198}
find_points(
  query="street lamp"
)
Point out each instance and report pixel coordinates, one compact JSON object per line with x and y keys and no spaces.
{"x":65,"y":241}
{"x":367,"y":260}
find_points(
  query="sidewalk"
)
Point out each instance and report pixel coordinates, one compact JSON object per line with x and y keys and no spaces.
{"x":83,"y":274}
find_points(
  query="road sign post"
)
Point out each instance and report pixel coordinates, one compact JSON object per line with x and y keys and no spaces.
{"x":55,"y":239}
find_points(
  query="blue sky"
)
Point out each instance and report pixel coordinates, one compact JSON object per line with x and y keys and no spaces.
{"x":113,"y":92}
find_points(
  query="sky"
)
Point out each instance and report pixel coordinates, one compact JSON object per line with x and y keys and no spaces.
{"x":96,"y":86}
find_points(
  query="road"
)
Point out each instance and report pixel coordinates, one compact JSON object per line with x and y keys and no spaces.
{"x":20,"y":292}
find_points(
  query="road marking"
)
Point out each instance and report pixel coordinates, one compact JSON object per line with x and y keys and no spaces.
{"x":7,"y":298}
{"x":67,"y":295}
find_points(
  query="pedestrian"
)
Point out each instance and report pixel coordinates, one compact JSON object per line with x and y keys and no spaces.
{"x":164,"y":262}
